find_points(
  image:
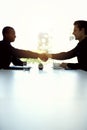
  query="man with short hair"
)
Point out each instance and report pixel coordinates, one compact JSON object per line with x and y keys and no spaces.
{"x":9,"y":54}
{"x":80,"y":51}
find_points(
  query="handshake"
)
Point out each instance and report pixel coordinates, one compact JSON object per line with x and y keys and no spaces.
{"x":44,"y":56}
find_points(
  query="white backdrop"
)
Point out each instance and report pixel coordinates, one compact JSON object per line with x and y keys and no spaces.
{"x":30,"y":17}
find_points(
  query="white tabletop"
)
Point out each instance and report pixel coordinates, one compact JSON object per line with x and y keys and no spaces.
{"x":43,"y":100}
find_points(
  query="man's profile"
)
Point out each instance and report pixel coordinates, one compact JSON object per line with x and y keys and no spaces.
{"x":80,"y":51}
{"x":10,"y":54}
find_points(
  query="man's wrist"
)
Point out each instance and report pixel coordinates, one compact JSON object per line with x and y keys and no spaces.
{"x":49,"y":55}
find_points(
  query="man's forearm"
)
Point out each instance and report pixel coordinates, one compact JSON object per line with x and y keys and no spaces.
{"x":29,"y":54}
{"x":58,"y":56}
{"x":25,"y":53}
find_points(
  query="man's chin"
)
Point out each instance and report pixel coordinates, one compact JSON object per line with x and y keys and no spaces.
{"x":12,"y":40}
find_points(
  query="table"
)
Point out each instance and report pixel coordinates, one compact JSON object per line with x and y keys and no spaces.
{"x":43,"y":100}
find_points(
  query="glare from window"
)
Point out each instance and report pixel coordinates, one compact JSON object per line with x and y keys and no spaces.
{"x":30,"y":18}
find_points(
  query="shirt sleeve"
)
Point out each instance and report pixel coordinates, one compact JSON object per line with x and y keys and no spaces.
{"x":74,"y":65}
{"x":20,"y":53}
{"x":65,"y":55}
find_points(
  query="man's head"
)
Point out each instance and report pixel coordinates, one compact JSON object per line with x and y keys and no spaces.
{"x":80,"y":29}
{"x":8,"y":34}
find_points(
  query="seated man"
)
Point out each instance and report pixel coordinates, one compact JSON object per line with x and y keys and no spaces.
{"x":80,"y":51}
{"x":10,"y":54}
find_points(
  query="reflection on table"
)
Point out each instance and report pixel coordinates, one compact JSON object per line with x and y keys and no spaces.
{"x":43,"y":100}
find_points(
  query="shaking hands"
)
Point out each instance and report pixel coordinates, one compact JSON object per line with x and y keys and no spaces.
{"x":43,"y":56}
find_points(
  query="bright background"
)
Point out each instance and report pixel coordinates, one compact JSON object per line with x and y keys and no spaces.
{"x":32,"y":17}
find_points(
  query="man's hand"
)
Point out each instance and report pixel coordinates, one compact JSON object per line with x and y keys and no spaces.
{"x":43,"y":56}
{"x":64,"y":65}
